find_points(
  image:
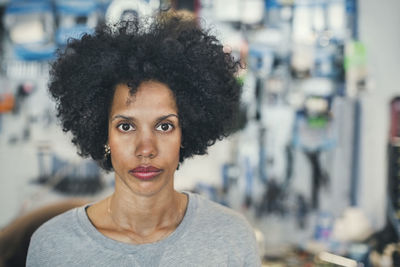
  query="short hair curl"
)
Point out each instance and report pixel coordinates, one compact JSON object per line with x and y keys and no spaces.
{"x":169,"y":49}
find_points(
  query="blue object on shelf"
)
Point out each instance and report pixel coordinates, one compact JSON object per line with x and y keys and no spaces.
{"x":272,"y":4}
{"x":24,"y":7}
{"x":76,"y":7}
{"x":75,"y":19}
{"x":35,"y":52}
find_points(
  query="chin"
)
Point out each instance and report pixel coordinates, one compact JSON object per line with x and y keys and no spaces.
{"x":148,"y":188}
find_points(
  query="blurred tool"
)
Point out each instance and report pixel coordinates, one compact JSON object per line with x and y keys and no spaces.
{"x":23,"y":91}
{"x":273,"y":201}
{"x":312,"y":134}
{"x":7,"y":102}
{"x":319,"y":176}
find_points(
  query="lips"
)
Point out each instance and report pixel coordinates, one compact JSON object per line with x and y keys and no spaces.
{"x":145,"y":172}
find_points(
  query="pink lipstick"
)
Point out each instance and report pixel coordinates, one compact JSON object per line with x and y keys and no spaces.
{"x":145,"y":172}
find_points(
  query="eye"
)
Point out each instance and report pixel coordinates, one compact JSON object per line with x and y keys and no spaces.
{"x":125,"y":127}
{"x":165,"y":127}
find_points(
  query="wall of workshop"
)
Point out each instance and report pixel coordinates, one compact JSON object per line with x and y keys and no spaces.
{"x":378,"y":30}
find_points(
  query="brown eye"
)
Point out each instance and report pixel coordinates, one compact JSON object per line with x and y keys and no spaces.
{"x":125,"y":127}
{"x":165,"y":127}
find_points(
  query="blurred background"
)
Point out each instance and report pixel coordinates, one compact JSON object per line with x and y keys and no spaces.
{"x":316,"y":165}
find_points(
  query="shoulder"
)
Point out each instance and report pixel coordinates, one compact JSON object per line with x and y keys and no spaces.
{"x":214,"y":213}
{"x":52,"y":237}
{"x":224,"y":230}
{"x":221,"y":222}
{"x":58,"y":225}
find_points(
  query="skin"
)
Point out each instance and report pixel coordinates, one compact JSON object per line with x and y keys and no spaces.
{"x":143,"y":130}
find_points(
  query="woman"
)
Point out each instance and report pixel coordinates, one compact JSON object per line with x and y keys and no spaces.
{"x":139,"y":98}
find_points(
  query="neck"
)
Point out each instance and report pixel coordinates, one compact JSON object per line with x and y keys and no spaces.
{"x":145,"y":216}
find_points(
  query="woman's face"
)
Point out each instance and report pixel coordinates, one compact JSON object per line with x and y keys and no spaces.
{"x":144,"y":137}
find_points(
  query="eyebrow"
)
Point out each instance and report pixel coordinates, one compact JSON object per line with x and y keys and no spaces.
{"x":129,"y":118}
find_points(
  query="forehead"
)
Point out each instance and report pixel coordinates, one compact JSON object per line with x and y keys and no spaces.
{"x":150,"y":95}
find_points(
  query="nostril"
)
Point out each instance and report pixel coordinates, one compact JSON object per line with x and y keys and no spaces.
{"x":146,"y":153}
{"x":150,"y":156}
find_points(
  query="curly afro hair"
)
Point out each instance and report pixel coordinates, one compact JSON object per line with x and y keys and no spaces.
{"x":170,"y":49}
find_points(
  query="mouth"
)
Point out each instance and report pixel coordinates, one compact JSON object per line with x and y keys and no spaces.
{"x":145,"y":172}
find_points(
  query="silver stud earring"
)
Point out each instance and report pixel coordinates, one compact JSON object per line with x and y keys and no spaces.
{"x":107,"y":150}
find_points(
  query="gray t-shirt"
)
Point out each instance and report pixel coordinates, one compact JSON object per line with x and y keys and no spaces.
{"x":209,"y":235}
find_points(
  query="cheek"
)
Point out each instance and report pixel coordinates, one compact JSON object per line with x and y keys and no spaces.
{"x":174,"y":151}
{"x":171,"y":156}
{"x":120,"y":150}
{"x":170,"y":148}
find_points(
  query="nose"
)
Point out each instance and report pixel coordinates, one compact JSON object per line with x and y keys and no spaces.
{"x":146,"y":146}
